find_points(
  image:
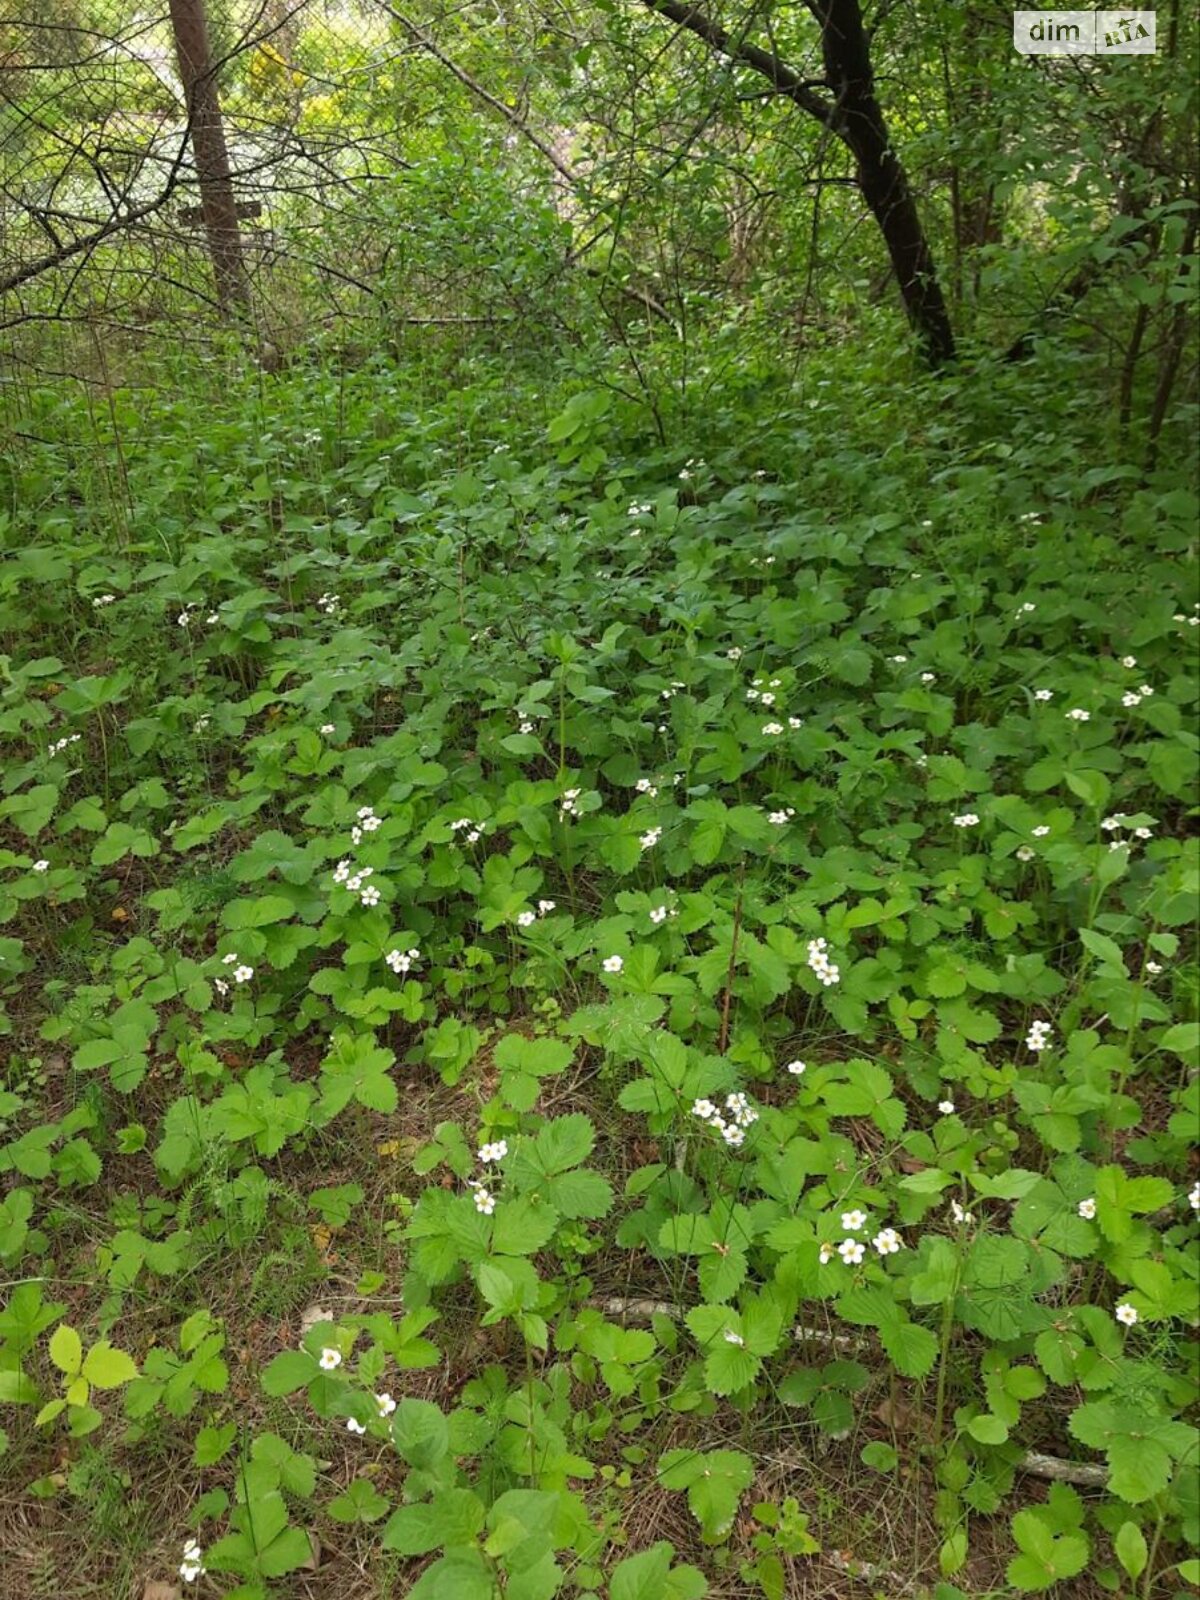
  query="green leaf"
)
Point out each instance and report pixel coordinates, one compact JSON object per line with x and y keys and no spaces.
{"x":108,"y":1368}
{"x":420,"y":1433}
{"x":1131,"y":1548}
{"x":66,"y":1349}
{"x":288,"y":1371}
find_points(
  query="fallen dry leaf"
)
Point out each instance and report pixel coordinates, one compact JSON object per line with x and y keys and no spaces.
{"x":311,"y":1316}
{"x":156,"y":1589}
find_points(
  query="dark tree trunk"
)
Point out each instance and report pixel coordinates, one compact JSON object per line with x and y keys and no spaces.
{"x":881,"y":175}
{"x":855,"y":117}
{"x":217,"y":205}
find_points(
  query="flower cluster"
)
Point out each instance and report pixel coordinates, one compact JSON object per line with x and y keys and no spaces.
{"x":1134,"y":697}
{"x":356,"y":882}
{"x":1077,"y":714}
{"x":732,"y":1129}
{"x":659,"y":914}
{"x":887,"y":1242}
{"x":650,"y":838}
{"x":402,"y":960}
{"x":1194,"y":620}
{"x":102,"y":600}
{"x":568,"y":806}
{"x":330,"y":604}
{"x":495,"y":1151}
{"x":241,"y":972}
{"x":367,"y":823}
{"x":641,"y":508}
{"x":59,"y":745}
{"x":192,"y":1566}
{"x":1038,"y":1037}
{"x":473,"y":830}
{"x":781,"y":818}
{"x":967,"y":819}
{"x":818,"y":960}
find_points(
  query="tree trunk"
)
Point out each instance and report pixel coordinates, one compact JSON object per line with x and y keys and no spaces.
{"x":881,"y":176}
{"x":217,"y":204}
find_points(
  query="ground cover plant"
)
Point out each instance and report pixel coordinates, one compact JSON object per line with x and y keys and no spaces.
{"x":591,"y":1015}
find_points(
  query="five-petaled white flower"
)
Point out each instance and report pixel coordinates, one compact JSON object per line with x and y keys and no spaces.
{"x":852,"y":1251}
{"x":353,"y":1425}
{"x":1025,"y":852}
{"x":827,"y":1253}
{"x":1087,"y":1208}
{"x":771,"y":729}
{"x":968,"y":819}
{"x":485,"y":1201}
{"x":1038,"y":1037}
{"x":704,"y":1109}
{"x":327,"y":728}
{"x":545,"y":907}
{"x":887,"y":1242}
{"x":854,"y":1220}
{"x":650,"y":838}
{"x":1077,"y":714}
{"x":384,"y":1404}
{"x":41,"y":866}
{"x":1126,"y":1313}
{"x":796,"y":1068}
{"x":1043,"y":694}
{"x":370,"y":895}
{"x":330,"y":1359}
{"x":946,"y":1107}
{"x":612,"y":963}
{"x":526,"y":919}
{"x":959,"y":1215}
{"x":1041,"y":830}
{"x":493,"y":1152}
{"x":242,"y":974}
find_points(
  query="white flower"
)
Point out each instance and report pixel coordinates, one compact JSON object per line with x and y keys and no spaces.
{"x":213,"y":618}
{"x":41,"y":866}
{"x":567,"y":805}
{"x":1043,"y":694}
{"x":852,"y":1251}
{"x":353,"y":1425}
{"x":330,"y":1359}
{"x":650,"y":839}
{"x":1038,"y":1037}
{"x":734,"y":653}
{"x":385,"y":1404}
{"x":1024,"y":853}
{"x":1154,"y":968}
{"x":772,"y":728}
{"x":959,"y":1215}
{"x":795,"y":722}
{"x":327,"y":728}
{"x":1129,"y":661}
{"x":1143,"y":833}
{"x":612,"y":963}
{"x":493,"y":1152}
{"x":781,"y":818}
{"x":1025,"y":608}
{"x":854,"y":1221}
{"x":929,"y":677}
{"x":732,"y":1134}
{"x":1041,"y":830}
{"x":796,"y":1068}
{"x":946,"y":1107}
{"x":1131,"y":699}
{"x":329,"y":604}
{"x":1145,"y":690}
{"x":183,"y":619}
{"x":341,"y":872}
{"x":818,"y":960}
{"x":103,"y":600}
{"x":1087,"y":1209}
{"x":898,"y":661}
{"x":887,"y":1242}
{"x":242,"y":974}
{"x":733,"y":1338}
{"x":1194,"y":1196}
{"x":1126,"y":1313}
{"x":704,"y":1109}
{"x":370,"y":895}
{"x":1077,"y":714}
{"x":768,"y":699}
{"x":402,"y":960}
{"x":485,"y":1201}
{"x":526,"y":919}
{"x":229,"y":959}
{"x":658,"y":914}
{"x":192,"y":1566}
{"x":545,"y":907}
{"x":1114,"y":823}
{"x":968,"y":819}
{"x":827,"y":1253}
{"x":220,"y":986}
